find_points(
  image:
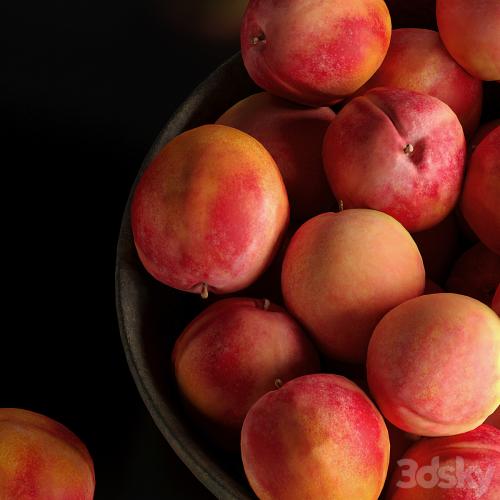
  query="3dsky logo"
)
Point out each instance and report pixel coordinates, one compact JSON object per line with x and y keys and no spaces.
{"x":448,"y":475}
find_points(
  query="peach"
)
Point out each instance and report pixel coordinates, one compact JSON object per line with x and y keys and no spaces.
{"x":41,"y":459}
{"x":417,"y":60}
{"x":481,"y":192}
{"x":230,"y":355}
{"x":439,"y":247}
{"x":397,"y":151}
{"x":209,"y":211}
{"x":293,"y":134}
{"x":314,"y":52}
{"x":469,"y":31}
{"x":433,"y":364}
{"x":495,"y":303}
{"x":476,"y":274}
{"x":319,"y":436}
{"x":461,"y":467}
{"x":343,"y":271}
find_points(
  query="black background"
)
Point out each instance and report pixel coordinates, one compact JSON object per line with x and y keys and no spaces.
{"x":85,"y":88}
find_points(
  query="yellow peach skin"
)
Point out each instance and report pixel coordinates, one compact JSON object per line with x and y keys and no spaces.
{"x":343,"y":271}
{"x":41,"y":459}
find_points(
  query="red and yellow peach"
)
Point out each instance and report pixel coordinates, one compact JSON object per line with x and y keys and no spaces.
{"x":433,"y":364}
{"x":42,"y":459}
{"x":314,"y":53}
{"x":209,"y":212}
{"x":319,"y":436}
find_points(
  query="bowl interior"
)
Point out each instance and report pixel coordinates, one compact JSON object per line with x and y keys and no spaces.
{"x":151,"y":316}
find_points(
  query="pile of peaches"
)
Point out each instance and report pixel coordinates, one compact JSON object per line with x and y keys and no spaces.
{"x":333,"y":207}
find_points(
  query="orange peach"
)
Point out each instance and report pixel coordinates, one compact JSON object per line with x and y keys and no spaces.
{"x":319,"y":436}
{"x":439,"y":247}
{"x":433,"y":364}
{"x":40,"y":459}
{"x":461,"y":467}
{"x":469,"y":31}
{"x":343,"y":271}
{"x":479,"y":202}
{"x":293,"y":134}
{"x":230,"y":355}
{"x":314,"y":52}
{"x":209,"y":211}
{"x":397,"y":151}
{"x":417,"y":60}
{"x":476,"y":274}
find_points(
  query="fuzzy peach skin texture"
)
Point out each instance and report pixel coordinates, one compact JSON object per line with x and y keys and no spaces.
{"x":479,"y":453}
{"x":319,"y":436}
{"x":314,"y":52}
{"x":234,"y":352}
{"x":210,"y":209}
{"x":481,"y":193}
{"x":343,"y":271}
{"x":417,"y":60}
{"x":433,"y":364}
{"x":397,"y":151}
{"x":293,"y":134}
{"x":41,"y":459}
{"x":469,"y":30}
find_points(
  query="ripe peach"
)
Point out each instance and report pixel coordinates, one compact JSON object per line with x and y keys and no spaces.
{"x":209,"y":211}
{"x":417,"y":60}
{"x":314,"y":52}
{"x":462,"y":467}
{"x":319,"y":436}
{"x":469,"y":31}
{"x":397,"y":151}
{"x":42,"y":459}
{"x":433,"y":364}
{"x":439,"y":246}
{"x":235,"y":351}
{"x":476,"y":274}
{"x":479,"y":202}
{"x":293,"y":134}
{"x":343,"y":271}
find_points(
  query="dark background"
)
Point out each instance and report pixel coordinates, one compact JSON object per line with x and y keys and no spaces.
{"x":85,"y":88}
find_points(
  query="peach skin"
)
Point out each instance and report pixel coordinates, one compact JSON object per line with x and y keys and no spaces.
{"x":41,"y":459}
{"x":317,"y":437}
{"x":314,"y":52}
{"x":433,"y":364}
{"x":397,"y":151}
{"x":209,"y":212}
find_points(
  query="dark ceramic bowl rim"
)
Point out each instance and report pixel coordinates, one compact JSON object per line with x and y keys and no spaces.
{"x":208,"y":472}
